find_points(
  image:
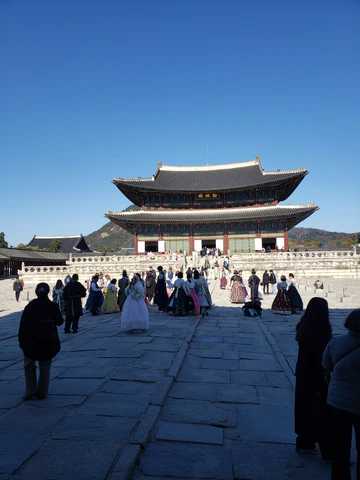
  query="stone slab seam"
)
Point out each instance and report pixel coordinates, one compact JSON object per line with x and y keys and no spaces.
{"x":125,"y":463}
{"x":178,"y":360}
{"x":143,"y":430}
{"x":278,"y":353}
{"x":164,"y":386}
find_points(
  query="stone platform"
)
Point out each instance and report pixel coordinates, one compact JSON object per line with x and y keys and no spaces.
{"x":192,"y":398}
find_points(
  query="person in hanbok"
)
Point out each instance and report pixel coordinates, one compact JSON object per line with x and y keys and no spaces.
{"x":223,"y":281}
{"x":254,"y":282}
{"x":122,"y":284}
{"x":110,"y":304}
{"x":202,"y":292}
{"x":180,"y":303}
{"x":245,"y":292}
{"x":95,"y":298}
{"x":294,"y":296}
{"x":228,"y":278}
{"x":191,"y":287}
{"x":281,"y":303}
{"x":237,"y":294}
{"x":161,"y":296}
{"x":107,"y":280}
{"x":135,"y":314}
{"x":312,"y":415}
{"x":58,"y":296}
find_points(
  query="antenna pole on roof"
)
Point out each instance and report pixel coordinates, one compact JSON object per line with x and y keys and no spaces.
{"x":207,"y":152}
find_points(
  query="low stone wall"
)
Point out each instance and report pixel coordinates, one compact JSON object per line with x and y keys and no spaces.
{"x":337,"y":264}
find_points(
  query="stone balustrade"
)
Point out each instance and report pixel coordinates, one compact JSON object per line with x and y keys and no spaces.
{"x":335,"y":264}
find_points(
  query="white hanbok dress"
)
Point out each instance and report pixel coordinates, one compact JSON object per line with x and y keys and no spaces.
{"x":135,"y":315}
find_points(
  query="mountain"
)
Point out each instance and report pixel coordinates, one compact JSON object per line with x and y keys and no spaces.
{"x":112,"y":238}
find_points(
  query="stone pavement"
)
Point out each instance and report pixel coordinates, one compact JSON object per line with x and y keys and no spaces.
{"x":192,"y":398}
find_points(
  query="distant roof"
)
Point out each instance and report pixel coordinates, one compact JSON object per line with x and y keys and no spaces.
{"x":69,"y":243}
{"x":19,"y":254}
{"x":210,"y":178}
{"x":126,"y":219}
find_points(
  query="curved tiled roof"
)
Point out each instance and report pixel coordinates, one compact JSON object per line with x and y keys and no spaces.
{"x":210,"y":215}
{"x":69,"y":243}
{"x":210,"y":178}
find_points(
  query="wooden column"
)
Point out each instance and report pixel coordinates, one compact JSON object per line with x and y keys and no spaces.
{"x":226,"y":244}
{"x":191,"y":246}
{"x":286,"y":241}
{"x":136,"y":244}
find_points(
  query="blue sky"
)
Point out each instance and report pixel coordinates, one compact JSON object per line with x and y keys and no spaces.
{"x":94,"y":89}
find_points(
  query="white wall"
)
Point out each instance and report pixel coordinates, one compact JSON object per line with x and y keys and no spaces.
{"x":197,"y":245}
{"x":258,"y":243}
{"x":161,"y":246}
{"x":219,"y":243}
{"x":280,"y":242}
{"x":141,"y":246}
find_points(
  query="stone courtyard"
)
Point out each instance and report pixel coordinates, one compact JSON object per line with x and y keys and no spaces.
{"x":192,"y":398}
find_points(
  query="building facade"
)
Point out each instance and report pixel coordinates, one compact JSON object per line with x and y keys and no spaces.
{"x":233,"y":207}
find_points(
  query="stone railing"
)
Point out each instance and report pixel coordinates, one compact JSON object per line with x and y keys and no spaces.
{"x":340,"y":264}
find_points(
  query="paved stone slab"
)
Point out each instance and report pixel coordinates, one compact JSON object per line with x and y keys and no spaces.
{"x":188,"y":461}
{"x":155,"y":360}
{"x":137,"y":374}
{"x":143,"y":430}
{"x":269,"y":424}
{"x":246,"y":377}
{"x":114,"y":405}
{"x":203,"y":375}
{"x":237,"y":394}
{"x":208,"y":338}
{"x":129,"y":388}
{"x":120,"y":354}
{"x":71,"y":460}
{"x":58,"y":401}
{"x":222,"y":364}
{"x":196,"y":391}
{"x":276,"y":396}
{"x":29,"y":419}
{"x":124,"y":466}
{"x":260,"y":365}
{"x":193,"y":433}
{"x":16,"y":449}
{"x":264,"y":461}
{"x":86,"y":372}
{"x":94,"y":428}
{"x":197,"y":411}
{"x":73,"y":386}
{"x":204,"y":353}
{"x":9,"y":401}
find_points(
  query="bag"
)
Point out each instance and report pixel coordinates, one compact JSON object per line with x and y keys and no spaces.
{"x":46,"y":331}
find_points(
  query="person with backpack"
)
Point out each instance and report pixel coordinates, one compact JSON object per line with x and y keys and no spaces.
{"x":341,"y":358}
{"x":38,"y":338}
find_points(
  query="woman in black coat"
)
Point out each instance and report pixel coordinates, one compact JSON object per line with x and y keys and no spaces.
{"x":313,"y":333}
{"x":39,"y":340}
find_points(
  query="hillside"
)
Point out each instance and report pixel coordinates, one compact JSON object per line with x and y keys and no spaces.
{"x":112,"y":238}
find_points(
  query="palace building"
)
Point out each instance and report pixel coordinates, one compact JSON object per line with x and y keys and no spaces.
{"x":231,"y":207}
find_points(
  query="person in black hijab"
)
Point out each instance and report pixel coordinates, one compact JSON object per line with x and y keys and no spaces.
{"x":313,"y":333}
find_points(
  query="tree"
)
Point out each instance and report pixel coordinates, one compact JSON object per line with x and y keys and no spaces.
{"x":3,"y":243}
{"x":55,"y":246}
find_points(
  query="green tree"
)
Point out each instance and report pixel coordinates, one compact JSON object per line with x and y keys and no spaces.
{"x":55,"y":246}
{"x":3,"y":243}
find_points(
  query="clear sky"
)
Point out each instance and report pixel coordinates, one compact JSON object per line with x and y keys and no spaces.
{"x":93,"y":89}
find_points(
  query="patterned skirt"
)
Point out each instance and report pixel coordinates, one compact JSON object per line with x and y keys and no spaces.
{"x":281,"y":303}
{"x":237,"y":294}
